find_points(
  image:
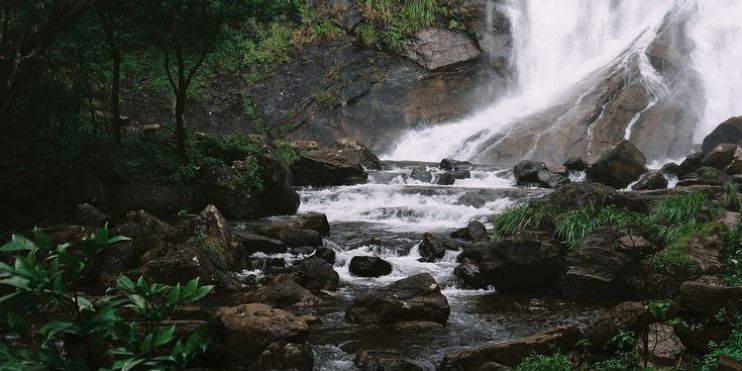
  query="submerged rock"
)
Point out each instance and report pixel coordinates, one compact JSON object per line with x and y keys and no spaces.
{"x":618,"y":167}
{"x":422,"y":175}
{"x":433,"y":246}
{"x":369,"y":266}
{"x":447,"y":178}
{"x":511,"y":353}
{"x":415,"y":298}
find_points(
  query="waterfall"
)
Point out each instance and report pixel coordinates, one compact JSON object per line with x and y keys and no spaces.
{"x":566,"y":51}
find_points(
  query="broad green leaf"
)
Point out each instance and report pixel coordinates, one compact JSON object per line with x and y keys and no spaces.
{"x":200,"y":293}
{"x":84,"y":304}
{"x":18,"y":243}
{"x":174,"y":295}
{"x":117,"y":239}
{"x":164,"y":335}
{"x":16,"y":281}
{"x":124,"y":283}
{"x":51,"y":329}
{"x":42,"y":239}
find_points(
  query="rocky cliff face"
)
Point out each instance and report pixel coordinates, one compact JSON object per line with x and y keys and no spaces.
{"x":339,"y":88}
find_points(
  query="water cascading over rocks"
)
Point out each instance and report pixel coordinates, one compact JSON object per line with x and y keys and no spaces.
{"x":590,"y":74}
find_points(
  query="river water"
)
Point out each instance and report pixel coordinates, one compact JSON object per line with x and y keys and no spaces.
{"x":386,"y":217}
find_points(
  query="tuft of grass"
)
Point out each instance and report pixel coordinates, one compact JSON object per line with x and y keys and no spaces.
{"x":731,"y":199}
{"x":556,"y":362}
{"x":520,"y":218}
{"x":574,"y":225}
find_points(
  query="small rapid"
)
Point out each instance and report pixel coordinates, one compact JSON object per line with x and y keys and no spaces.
{"x":386,"y":217}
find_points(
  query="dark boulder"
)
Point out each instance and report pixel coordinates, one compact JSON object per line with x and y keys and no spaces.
{"x":448,"y":165}
{"x":652,"y":180}
{"x":474,"y":231}
{"x":327,"y":167}
{"x":415,"y":298}
{"x":325,"y":253}
{"x":735,"y":166}
{"x":690,"y":164}
{"x":312,"y":221}
{"x":369,"y":266}
{"x":618,"y":167}
{"x":422,"y":175}
{"x":591,"y":195}
{"x":670,"y":168}
{"x":720,"y":156}
{"x":605,"y":265}
{"x":283,"y":355}
{"x":315,"y":274}
{"x":350,"y":148}
{"x":89,"y":215}
{"x":575,"y":164}
{"x":280,"y":292}
{"x":709,"y":296}
{"x":460,"y":173}
{"x":729,"y":131}
{"x":548,"y":179}
{"x":526,"y":262}
{"x":511,"y":353}
{"x":253,"y":243}
{"x":447,"y":178}
{"x":526,"y":172}
{"x":433,"y":246}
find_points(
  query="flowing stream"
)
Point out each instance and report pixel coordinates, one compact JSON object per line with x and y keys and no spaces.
{"x":386,"y":217}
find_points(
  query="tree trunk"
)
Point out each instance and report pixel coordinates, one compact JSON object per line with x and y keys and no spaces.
{"x":179,"y":123}
{"x":115,"y":95}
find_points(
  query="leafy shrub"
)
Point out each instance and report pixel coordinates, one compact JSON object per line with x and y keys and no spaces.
{"x":520,"y":218}
{"x":53,"y":325}
{"x":556,"y":362}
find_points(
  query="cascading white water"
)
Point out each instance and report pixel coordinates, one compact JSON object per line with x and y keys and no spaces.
{"x":563,"y":46}
{"x":716,"y":31}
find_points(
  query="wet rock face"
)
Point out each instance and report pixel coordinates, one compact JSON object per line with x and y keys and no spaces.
{"x":415,"y":298}
{"x":586,"y":194}
{"x":650,"y":181}
{"x":529,"y":262}
{"x":434,"y":48}
{"x":433,"y":246}
{"x":526,"y":172}
{"x":422,"y":175}
{"x":510,"y":353}
{"x":729,"y":131}
{"x":369,"y":266}
{"x":618,"y":167}
{"x":605,"y":265}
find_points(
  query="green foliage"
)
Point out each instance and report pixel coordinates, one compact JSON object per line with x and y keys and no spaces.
{"x":556,"y":362}
{"x":388,"y":23}
{"x":732,"y":239}
{"x":731,"y":348}
{"x":574,"y":225}
{"x":520,"y":218}
{"x":731,"y":199}
{"x":124,"y":330}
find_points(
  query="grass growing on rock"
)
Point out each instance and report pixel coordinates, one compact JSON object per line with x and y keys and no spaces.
{"x":520,"y":218}
{"x":555,"y":362}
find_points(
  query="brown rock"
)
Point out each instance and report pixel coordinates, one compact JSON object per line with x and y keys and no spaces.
{"x":665,"y":347}
{"x":510,"y":353}
{"x":618,"y":167}
{"x":250,"y":329}
{"x":625,"y":316}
